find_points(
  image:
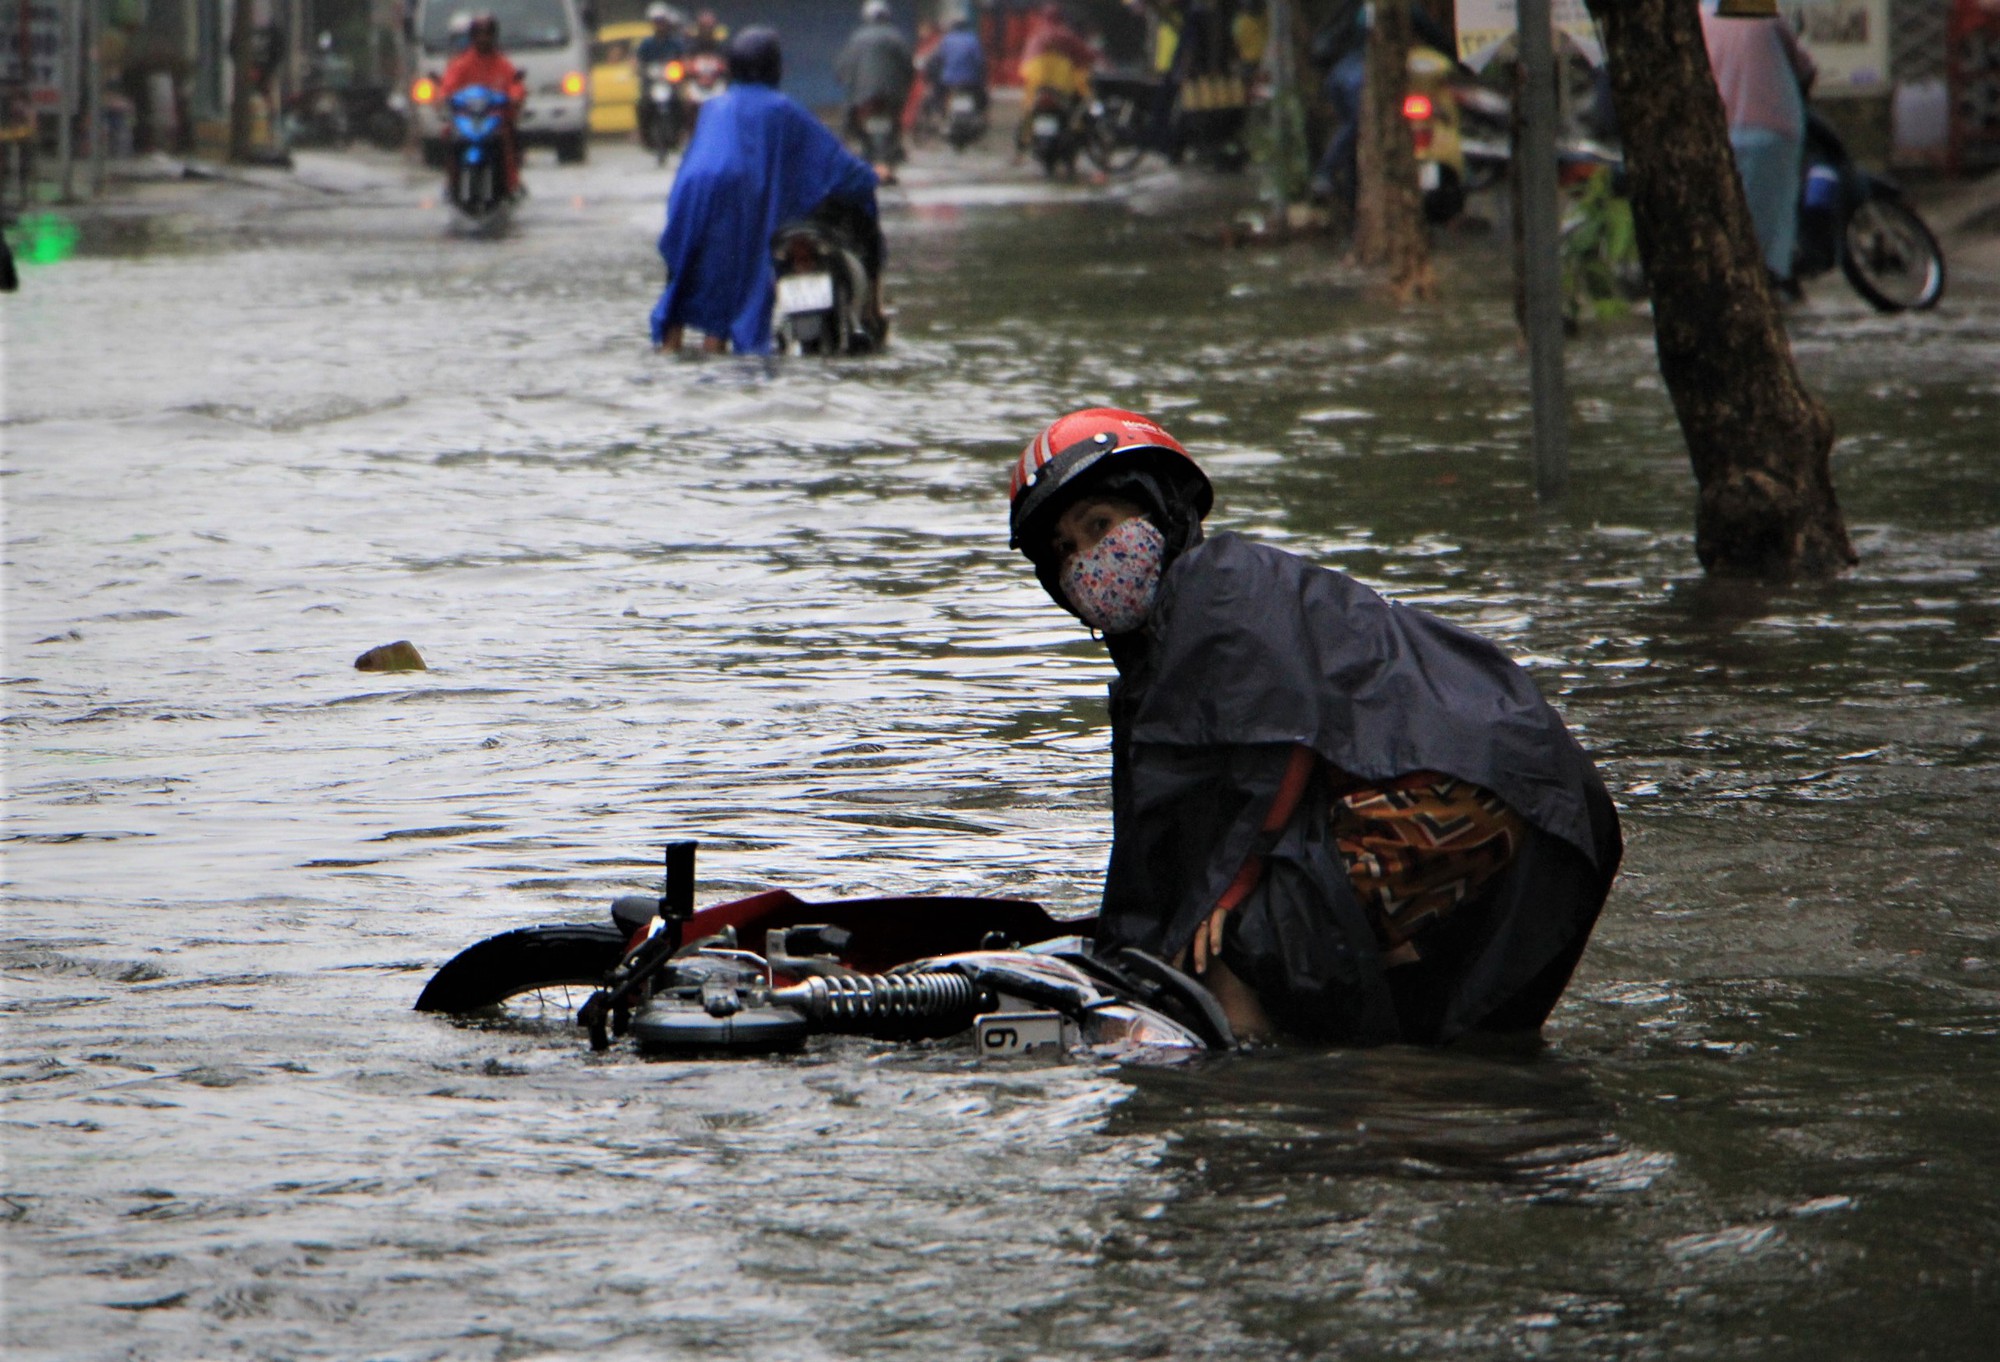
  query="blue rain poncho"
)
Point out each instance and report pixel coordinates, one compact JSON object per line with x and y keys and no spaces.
{"x":757,"y":160}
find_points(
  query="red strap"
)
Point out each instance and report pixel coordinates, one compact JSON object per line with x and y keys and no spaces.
{"x":1283,"y":805}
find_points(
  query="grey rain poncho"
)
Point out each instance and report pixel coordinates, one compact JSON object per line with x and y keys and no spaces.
{"x":1251,"y":651}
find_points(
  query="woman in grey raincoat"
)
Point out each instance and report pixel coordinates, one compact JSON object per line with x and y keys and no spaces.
{"x":1357,"y":822}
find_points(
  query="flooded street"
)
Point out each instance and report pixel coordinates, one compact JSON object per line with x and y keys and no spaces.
{"x":773,"y":608}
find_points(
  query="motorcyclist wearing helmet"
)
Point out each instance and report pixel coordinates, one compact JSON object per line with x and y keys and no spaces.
{"x":757,"y":160}
{"x":958,"y":62}
{"x":1056,"y":61}
{"x":709,"y":34}
{"x":483,"y":63}
{"x":664,"y":43}
{"x":877,"y":70}
{"x":655,"y":50}
{"x":1358,"y":822}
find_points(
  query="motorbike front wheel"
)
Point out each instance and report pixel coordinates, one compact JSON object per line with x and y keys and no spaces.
{"x":1891,"y":258}
{"x":530,"y":973}
{"x":1115,"y":139}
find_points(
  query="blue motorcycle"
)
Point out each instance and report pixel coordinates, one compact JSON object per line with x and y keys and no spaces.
{"x":478,"y":171}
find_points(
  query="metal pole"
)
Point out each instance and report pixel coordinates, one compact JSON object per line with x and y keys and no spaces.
{"x":66,"y":99}
{"x":93,"y":93}
{"x":1278,"y":58}
{"x":1541,"y":273}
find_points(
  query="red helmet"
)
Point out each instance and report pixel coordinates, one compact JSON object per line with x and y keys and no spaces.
{"x":1097,"y":441}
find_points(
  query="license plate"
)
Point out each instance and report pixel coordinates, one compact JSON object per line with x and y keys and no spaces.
{"x":661,"y":92}
{"x":1047,"y":125}
{"x":878,"y":127}
{"x":1428,"y":175}
{"x":964,"y":104}
{"x":805,"y":293}
{"x":1004,"y":1035}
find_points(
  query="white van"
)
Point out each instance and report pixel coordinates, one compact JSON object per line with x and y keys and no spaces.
{"x":549,"y":40}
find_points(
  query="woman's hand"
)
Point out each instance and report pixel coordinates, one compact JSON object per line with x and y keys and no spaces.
{"x":1208,"y":940}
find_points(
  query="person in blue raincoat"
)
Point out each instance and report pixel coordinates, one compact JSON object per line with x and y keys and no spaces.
{"x":757,"y":160}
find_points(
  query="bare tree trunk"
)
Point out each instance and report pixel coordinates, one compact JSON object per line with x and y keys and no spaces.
{"x":1389,"y":227}
{"x":242,"y":60}
{"x":1758,"y":440}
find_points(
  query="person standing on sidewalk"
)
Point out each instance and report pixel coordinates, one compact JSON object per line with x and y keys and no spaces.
{"x":1763,"y":75}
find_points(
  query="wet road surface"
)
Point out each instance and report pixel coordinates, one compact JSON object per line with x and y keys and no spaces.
{"x":773,"y":608}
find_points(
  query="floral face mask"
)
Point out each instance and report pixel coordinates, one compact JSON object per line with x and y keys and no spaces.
{"x":1113,"y":585}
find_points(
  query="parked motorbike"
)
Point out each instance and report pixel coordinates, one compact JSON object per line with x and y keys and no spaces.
{"x":1119,"y":119}
{"x":705,"y":75}
{"x":316,"y":115}
{"x":1123,"y":121}
{"x":660,"y":111}
{"x":379,"y":113}
{"x":684,"y":984}
{"x":1847,"y":217}
{"x":827,"y":300}
{"x":965,"y":116}
{"x":1862,"y":223}
{"x":477,"y":175}
{"x":1055,"y":132}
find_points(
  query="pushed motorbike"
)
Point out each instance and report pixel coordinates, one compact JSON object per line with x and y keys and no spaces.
{"x":877,"y":133}
{"x":965,"y":116}
{"x":1861,"y":222}
{"x":477,"y":172}
{"x":827,"y":302}
{"x":660,"y":112}
{"x":1055,"y":132}
{"x":685,"y":984}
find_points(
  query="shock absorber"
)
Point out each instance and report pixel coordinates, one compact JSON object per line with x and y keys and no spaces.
{"x":859,"y":1000}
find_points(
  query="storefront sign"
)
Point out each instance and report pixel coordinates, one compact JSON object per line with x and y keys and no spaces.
{"x":1847,"y":39}
{"x":1485,"y":25}
{"x":39,"y":40}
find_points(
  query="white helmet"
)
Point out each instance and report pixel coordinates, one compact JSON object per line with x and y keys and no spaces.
{"x":875,"y":11}
{"x":659,"y":12}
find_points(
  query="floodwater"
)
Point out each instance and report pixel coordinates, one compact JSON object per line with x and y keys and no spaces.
{"x":774,"y":610}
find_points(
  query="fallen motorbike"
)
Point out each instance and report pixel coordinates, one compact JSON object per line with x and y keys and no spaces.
{"x":1862,"y":223}
{"x":681,"y":983}
{"x":660,"y":112}
{"x":826,"y":299}
{"x":477,"y":173}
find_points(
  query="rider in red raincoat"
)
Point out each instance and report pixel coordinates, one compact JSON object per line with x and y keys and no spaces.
{"x":483,"y":63}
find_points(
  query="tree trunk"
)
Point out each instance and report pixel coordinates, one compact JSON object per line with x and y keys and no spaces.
{"x":1758,"y":440}
{"x":1389,"y":227}
{"x":242,"y":61}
